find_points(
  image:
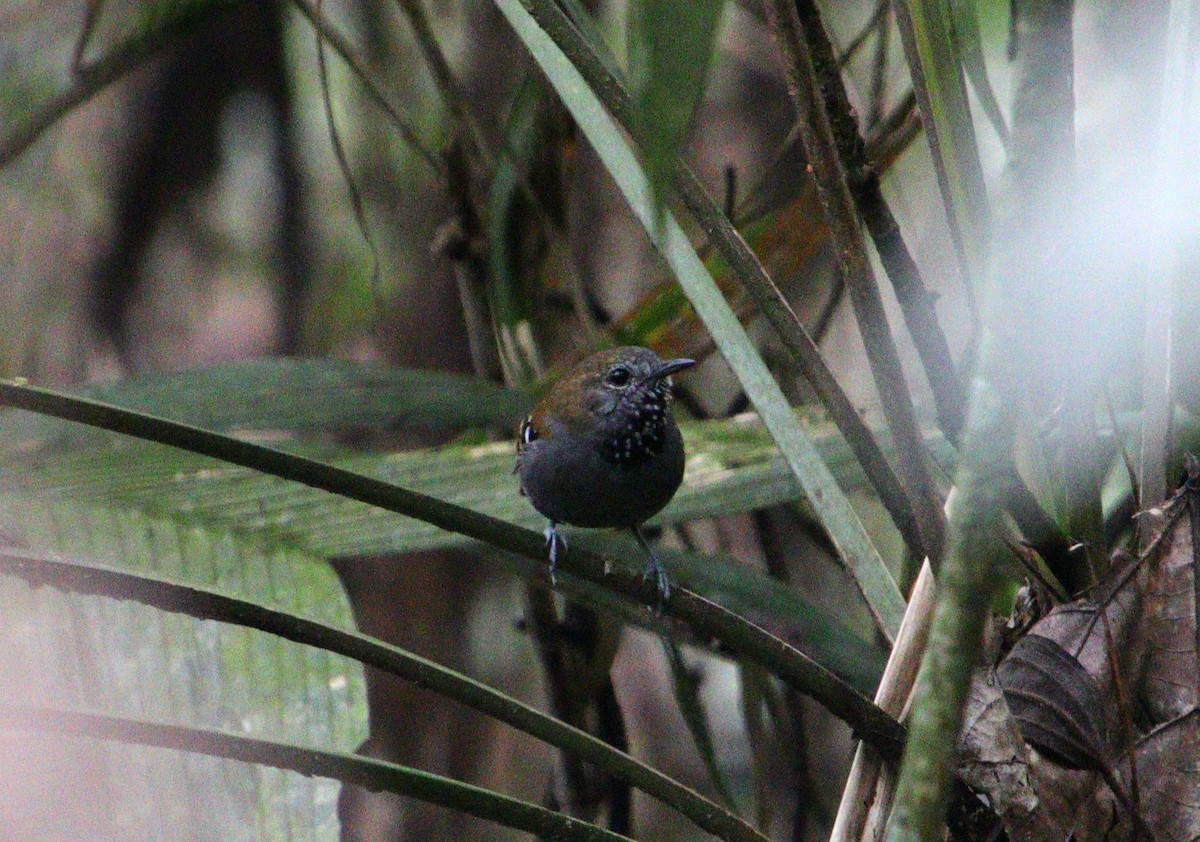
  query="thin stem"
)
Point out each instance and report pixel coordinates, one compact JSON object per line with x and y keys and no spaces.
{"x":879,"y":79}
{"x":541,"y":616}
{"x":343,"y":162}
{"x":916,"y":302}
{"x":807,"y":356}
{"x":98,"y":75}
{"x":444,"y":80}
{"x":925,"y":31}
{"x":91,"y":14}
{"x":877,"y":21}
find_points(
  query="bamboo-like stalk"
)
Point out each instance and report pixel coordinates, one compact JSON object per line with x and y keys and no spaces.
{"x":967,"y":580}
{"x":966,"y":583}
{"x":870,"y":788}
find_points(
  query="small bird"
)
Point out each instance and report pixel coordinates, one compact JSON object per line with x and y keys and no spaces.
{"x":602,"y":449}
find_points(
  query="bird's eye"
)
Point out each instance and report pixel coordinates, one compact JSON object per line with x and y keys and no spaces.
{"x":618,"y":377}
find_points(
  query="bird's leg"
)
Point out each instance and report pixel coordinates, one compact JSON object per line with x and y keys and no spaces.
{"x":654,"y":568}
{"x":553,"y":541}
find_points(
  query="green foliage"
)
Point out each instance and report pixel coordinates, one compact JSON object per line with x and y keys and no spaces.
{"x":671,"y":45}
{"x":146,"y":663}
{"x":153,"y":508}
{"x":934,"y":53}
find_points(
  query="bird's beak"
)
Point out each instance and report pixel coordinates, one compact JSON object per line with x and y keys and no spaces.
{"x":670,"y":367}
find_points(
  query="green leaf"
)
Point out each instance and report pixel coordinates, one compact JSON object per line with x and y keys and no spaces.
{"x":828,"y":501}
{"x":671,"y":45}
{"x":213,"y":604}
{"x":933,"y":52}
{"x":298,"y":395}
{"x":343,"y":766}
{"x":970,"y":44}
{"x":122,"y":658}
{"x":709,"y":619}
{"x":514,"y":251}
{"x":733,"y":466}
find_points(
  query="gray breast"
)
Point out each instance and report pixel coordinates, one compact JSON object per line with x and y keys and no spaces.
{"x":581,"y":483}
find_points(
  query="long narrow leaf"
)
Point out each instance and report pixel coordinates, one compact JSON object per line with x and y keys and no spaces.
{"x":965,"y":17}
{"x":733,"y":466}
{"x":348,"y":768}
{"x":127,"y":659}
{"x":933,"y":61}
{"x":300,"y":395}
{"x":670,"y":49}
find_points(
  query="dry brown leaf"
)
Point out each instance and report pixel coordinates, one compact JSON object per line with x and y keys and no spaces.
{"x":1056,"y":702}
{"x":1036,"y":799}
{"x":1143,"y":620}
{"x":1169,"y":681}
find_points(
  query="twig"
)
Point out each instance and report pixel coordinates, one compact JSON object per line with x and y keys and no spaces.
{"x":862,"y":173}
{"x":91,"y":14}
{"x":123,"y":59}
{"x":443,"y":79}
{"x":549,"y":640}
{"x":879,"y":67}
{"x":878,"y":16}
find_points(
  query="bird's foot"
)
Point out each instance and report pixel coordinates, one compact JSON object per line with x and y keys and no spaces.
{"x":554,"y":540}
{"x":656,"y":571}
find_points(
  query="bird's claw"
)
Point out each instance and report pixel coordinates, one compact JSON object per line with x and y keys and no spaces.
{"x":554,"y":541}
{"x":656,"y":571}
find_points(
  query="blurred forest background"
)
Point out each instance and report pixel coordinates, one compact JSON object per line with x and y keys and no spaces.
{"x":209,"y":218}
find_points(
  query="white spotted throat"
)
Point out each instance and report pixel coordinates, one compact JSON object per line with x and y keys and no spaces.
{"x":602,"y":449}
